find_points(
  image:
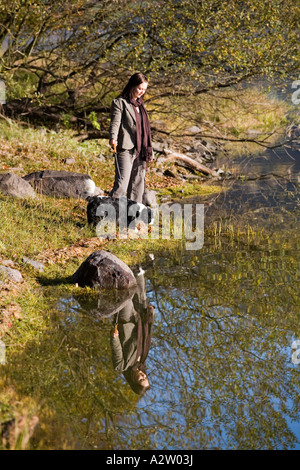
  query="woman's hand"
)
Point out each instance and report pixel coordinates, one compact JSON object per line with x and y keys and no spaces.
{"x":113,"y":143}
{"x":114,"y":332}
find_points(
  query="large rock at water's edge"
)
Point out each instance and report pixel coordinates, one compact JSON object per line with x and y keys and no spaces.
{"x":13,"y":185}
{"x":103,"y":270}
{"x":61,"y":183}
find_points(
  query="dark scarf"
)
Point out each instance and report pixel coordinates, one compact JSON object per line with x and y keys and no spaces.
{"x":143,"y":134}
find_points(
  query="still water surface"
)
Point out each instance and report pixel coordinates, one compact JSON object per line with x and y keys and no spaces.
{"x":220,"y":365}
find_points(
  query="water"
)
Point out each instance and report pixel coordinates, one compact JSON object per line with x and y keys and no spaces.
{"x":220,"y":363}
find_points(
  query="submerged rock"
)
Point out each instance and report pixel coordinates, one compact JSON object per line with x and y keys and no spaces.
{"x":103,"y":270}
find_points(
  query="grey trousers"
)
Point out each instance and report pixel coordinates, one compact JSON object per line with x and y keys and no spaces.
{"x":129,"y":176}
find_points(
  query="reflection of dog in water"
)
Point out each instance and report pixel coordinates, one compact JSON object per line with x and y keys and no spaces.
{"x":131,"y":339}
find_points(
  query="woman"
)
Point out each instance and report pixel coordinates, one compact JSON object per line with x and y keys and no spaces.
{"x":130,"y":343}
{"x":131,"y":339}
{"x":130,"y":135}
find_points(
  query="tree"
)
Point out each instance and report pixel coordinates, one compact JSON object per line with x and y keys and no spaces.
{"x":72,"y":57}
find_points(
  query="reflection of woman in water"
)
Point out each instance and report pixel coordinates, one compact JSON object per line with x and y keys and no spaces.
{"x":130,"y":341}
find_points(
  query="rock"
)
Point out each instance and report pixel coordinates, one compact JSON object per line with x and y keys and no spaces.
{"x":103,"y":270}
{"x":14,"y":185}
{"x":69,"y":161}
{"x":35,"y":264}
{"x":99,"y":207}
{"x":161,"y":160}
{"x":61,"y":183}
{"x":171,"y":173}
{"x":194,"y":129}
{"x":158,"y":124}
{"x":100,"y":158}
{"x":11,"y":274}
{"x":158,"y":146}
{"x":7,"y":262}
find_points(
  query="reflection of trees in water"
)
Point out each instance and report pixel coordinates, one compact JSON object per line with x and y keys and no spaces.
{"x":220,"y":361}
{"x":223,"y":340}
{"x":219,"y":364}
{"x":68,"y":373}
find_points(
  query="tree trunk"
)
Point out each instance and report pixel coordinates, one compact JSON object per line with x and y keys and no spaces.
{"x":187,"y":162}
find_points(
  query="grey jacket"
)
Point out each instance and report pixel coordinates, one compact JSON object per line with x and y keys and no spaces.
{"x":123,"y":124}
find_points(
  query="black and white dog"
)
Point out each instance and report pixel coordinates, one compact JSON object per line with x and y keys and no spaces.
{"x":126,"y":210}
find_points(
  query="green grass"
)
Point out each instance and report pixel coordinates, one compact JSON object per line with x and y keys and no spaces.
{"x":191,"y":189}
{"x":31,"y":226}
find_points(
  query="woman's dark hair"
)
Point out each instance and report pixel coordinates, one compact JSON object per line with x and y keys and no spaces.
{"x":138,"y":388}
{"x":135,"y":80}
